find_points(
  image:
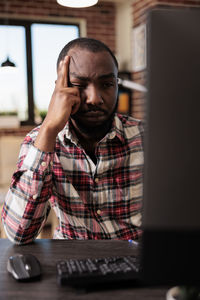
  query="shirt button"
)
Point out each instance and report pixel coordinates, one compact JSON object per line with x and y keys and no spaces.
{"x":35,"y":196}
{"x":96,"y":180}
{"x":44,"y":164}
{"x":112,"y":135}
{"x":99,"y":212}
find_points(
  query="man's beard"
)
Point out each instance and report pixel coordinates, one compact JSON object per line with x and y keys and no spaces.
{"x":95,"y":130}
{"x":92,"y":130}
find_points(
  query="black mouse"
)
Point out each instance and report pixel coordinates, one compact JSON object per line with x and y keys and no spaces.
{"x":24,"y":267}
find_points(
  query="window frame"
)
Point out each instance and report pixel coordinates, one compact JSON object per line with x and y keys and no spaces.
{"x":26,"y":23}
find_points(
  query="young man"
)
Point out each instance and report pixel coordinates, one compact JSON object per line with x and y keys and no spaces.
{"x":85,"y":161}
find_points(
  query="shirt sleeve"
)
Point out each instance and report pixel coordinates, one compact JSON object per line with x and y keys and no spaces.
{"x":26,"y":206}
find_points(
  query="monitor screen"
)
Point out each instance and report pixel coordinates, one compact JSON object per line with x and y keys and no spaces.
{"x":171,"y":218}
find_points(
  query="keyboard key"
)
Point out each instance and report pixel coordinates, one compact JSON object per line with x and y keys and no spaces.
{"x":98,"y":270}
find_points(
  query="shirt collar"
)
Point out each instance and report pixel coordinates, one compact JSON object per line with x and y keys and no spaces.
{"x":67,"y":134}
{"x":116,"y":131}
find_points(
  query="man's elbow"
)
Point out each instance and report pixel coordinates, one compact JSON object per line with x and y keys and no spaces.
{"x":16,"y":237}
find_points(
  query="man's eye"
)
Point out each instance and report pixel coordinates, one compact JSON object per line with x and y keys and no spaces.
{"x":78,"y":85}
{"x":106,"y":85}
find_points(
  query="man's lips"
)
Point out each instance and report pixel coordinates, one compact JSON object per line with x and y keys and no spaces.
{"x":94,"y":113}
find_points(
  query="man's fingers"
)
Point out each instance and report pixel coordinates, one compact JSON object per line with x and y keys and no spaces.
{"x":63,"y":69}
{"x":66,"y":70}
{"x":75,"y":108}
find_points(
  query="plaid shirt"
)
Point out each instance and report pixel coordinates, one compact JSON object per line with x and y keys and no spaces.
{"x":101,"y":201}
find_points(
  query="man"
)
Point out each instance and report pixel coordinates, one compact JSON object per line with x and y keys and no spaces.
{"x":85,"y":161}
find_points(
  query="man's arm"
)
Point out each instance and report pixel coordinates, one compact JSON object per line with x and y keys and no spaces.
{"x":64,"y":102}
{"x":26,"y":205}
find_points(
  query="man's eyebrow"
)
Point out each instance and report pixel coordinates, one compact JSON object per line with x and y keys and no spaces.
{"x":73,"y":74}
{"x":109,"y":75}
{"x":85,"y":78}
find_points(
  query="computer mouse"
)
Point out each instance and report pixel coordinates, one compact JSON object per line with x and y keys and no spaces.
{"x":24,"y":267}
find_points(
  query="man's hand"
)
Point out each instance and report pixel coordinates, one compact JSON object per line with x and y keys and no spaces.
{"x":64,"y":102}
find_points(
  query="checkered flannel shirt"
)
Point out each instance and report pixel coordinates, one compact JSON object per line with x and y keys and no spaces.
{"x":101,"y":201}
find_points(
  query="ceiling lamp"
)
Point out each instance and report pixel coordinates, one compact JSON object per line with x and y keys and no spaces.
{"x":8,"y":63}
{"x":8,"y":67}
{"x":77,"y":3}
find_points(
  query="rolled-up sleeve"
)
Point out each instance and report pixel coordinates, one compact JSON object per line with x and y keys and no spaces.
{"x":26,"y":206}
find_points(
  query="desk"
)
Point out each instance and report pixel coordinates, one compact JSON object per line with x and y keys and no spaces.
{"x":49,"y":252}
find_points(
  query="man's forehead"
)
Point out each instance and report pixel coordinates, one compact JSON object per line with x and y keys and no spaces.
{"x":76,"y":51}
{"x":84,"y":58}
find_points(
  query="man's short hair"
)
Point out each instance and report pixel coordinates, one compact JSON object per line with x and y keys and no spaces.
{"x":89,"y":44}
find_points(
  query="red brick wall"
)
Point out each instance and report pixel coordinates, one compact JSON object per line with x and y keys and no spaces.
{"x":100,"y":18}
{"x":140,"y":8}
{"x":100,"y":24}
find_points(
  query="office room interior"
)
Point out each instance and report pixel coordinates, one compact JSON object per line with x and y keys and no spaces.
{"x":32,"y":33}
{"x":121,"y":24}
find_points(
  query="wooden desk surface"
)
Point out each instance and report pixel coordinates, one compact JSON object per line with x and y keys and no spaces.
{"x":49,"y":252}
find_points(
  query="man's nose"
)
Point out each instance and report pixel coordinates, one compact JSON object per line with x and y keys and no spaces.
{"x":93,"y":96}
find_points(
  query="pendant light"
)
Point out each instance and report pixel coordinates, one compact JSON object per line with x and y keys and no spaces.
{"x":8,"y":64}
{"x":77,"y":3}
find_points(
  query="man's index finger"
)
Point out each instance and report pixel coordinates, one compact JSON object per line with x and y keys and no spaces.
{"x":63,"y":71}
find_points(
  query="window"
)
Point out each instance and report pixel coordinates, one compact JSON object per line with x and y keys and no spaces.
{"x":13,"y":85}
{"x":34,"y":48}
{"x":47,"y":42}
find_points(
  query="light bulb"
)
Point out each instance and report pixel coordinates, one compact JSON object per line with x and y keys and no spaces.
{"x":77,"y":3}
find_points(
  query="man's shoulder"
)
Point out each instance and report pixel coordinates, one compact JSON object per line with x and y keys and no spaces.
{"x":128,"y":121}
{"x":128,"y":127}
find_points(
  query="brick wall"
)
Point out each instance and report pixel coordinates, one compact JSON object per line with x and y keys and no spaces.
{"x":100,"y":18}
{"x":140,"y":9}
{"x":100,"y":23}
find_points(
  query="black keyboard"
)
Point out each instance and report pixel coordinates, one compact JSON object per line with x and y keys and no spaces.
{"x":84,"y":272}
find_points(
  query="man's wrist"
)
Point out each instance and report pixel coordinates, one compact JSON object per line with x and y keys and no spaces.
{"x":46,"y":138}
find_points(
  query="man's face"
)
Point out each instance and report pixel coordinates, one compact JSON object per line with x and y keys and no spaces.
{"x":95,"y":74}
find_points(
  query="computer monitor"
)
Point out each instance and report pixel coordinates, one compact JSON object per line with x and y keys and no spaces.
{"x":171,"y":218}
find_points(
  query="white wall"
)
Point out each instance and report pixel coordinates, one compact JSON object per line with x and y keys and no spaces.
{"x":124,"y":25}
